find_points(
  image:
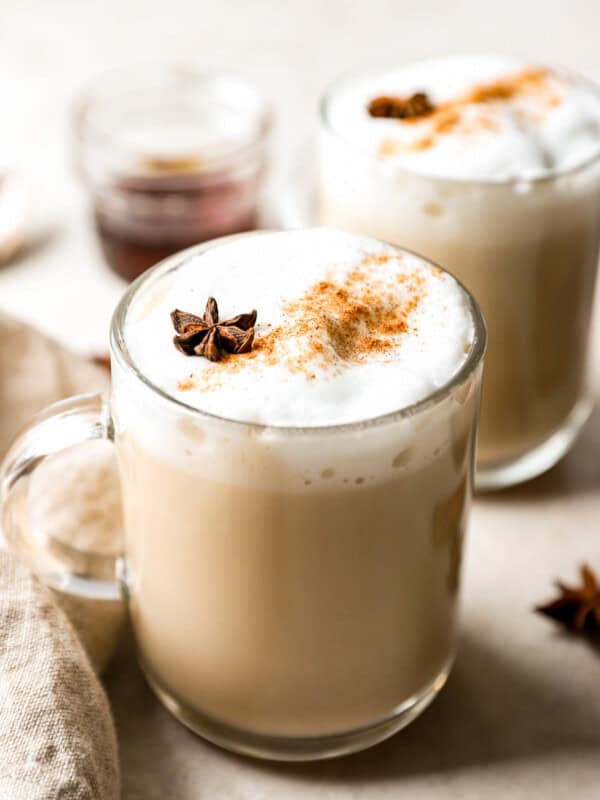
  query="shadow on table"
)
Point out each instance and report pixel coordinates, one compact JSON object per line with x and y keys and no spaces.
{"x":577,"y":473}
{"x":491,"y":711}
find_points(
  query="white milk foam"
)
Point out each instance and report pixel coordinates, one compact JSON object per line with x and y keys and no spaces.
{"x":550,"y":126}
{"x":307,"y":377}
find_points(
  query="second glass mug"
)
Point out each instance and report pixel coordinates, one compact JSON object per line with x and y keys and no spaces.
{"x":527,"y":249}
{"x":293,"y":591}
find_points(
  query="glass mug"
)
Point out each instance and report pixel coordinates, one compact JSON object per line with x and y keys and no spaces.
{"x":527,"y":249}
{"x":293,"y":591}
{"x":171,"y":156}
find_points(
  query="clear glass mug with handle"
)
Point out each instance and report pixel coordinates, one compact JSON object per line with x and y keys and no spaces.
{"x":293,"y":591}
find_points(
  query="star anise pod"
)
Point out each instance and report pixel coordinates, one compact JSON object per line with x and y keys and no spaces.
{"x":417,"y":105}
{"x":578,"y":608}
{"x":206,"y":336}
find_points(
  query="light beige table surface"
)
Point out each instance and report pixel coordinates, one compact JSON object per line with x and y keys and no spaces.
{"x":520,"y":717}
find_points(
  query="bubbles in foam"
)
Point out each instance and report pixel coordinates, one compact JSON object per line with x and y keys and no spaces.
{"x":348,"y":329}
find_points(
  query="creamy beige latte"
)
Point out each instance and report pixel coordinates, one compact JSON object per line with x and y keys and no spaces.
{"x":294,"y":538}
{"x":496,"y":176}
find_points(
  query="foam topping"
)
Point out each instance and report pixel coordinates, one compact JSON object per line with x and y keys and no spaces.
{"x":471,"y":117}
{"x":348,"y":329}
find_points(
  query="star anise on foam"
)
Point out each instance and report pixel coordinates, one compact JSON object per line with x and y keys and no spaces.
{"x":206,"y":336}
{"x":417,"y":105}
{"x":578,"y":608}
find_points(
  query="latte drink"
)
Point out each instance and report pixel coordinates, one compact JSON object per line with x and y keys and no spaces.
{"x":491,"y":167}
{"x":295,"y":512}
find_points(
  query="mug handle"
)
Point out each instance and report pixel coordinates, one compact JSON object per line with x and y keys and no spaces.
{"x":60,"y":426}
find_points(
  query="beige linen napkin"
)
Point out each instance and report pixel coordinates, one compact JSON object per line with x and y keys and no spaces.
{"x":57,"y":739}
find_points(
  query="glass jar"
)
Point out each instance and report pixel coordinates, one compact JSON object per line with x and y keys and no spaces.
{"x":171,"y":157}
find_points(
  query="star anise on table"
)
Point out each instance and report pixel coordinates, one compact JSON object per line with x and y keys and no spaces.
{"x":417,"y":105}
{"x":206,"y":336}
{"x":578,"y":608}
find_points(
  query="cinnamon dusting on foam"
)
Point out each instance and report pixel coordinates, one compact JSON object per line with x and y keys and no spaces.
{"x":336,"y":323}
{"x":348,"y":329}
{"x":450,"y":117}
{"x":535,"y":80}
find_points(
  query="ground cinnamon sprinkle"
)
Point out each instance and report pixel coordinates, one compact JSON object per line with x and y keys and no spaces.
{"x":336,"y":323}
{"x":446,"y":117}
{"x":357,"y":318}
{"x":423,"y":144}
{"x":529,"y":81}
{"x":446,"y":120}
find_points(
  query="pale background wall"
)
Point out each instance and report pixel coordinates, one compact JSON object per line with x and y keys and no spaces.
{"x":292,"y":49}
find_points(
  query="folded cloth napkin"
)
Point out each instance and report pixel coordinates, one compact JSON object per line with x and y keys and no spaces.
{"x":57,"y":738}
{"x":34,"y":372}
